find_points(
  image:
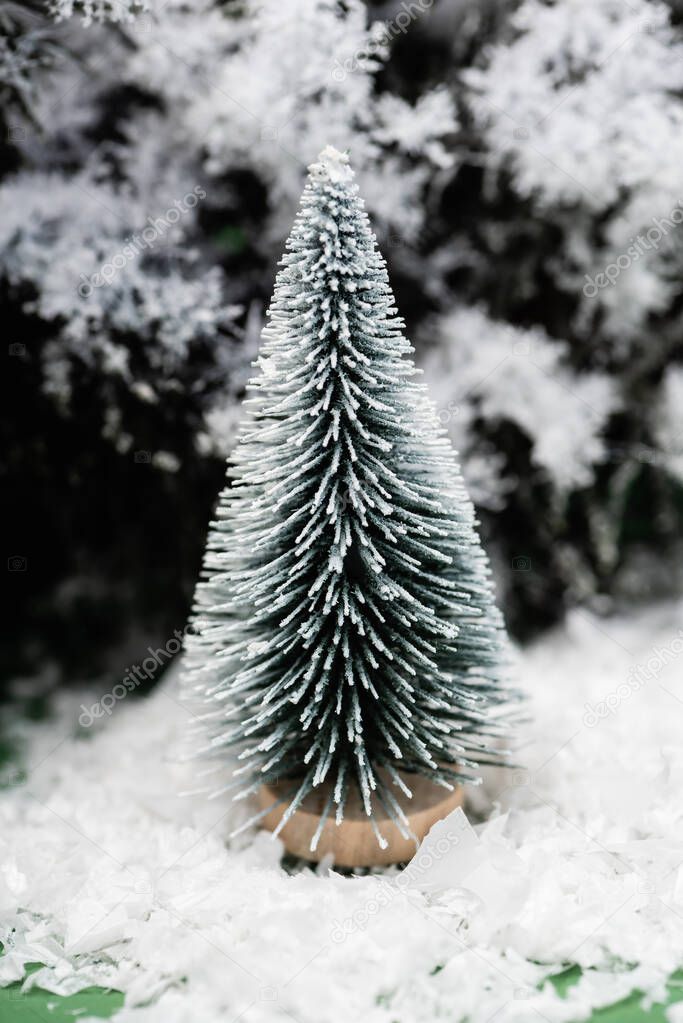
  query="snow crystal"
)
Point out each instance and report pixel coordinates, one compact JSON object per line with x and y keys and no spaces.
{"x":111,"y":878}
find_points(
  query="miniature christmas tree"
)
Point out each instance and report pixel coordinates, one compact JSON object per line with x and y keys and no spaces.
{"x":344,"y":631}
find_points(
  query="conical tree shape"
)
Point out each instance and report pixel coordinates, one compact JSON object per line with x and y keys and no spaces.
{"x":345,"y":621}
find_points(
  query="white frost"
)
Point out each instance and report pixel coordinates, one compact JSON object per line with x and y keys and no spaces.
{"x":332,"y":165}
{"x":110,"y":878}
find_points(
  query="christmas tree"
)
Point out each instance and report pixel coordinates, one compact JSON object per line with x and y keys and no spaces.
{"x":344,"y":629}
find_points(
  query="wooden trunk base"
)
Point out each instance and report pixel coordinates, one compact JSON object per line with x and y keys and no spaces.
{"x":353,"y":842}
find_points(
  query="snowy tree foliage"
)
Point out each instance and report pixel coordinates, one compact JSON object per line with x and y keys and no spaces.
{"x":584,"y":106}
{"x":209,"y":97}
{"x":509,"y":374}
{"x":252,"y":110}
{"x":669,"y":427}
{"x":577,"y":112}
{"x":99,"y":10}
{"x":508,"y":153}
{"x":346,"y":625}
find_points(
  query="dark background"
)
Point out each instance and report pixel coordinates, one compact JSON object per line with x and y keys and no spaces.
{"x":104,"y":545}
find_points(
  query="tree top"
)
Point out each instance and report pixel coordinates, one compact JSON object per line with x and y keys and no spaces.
{"x":332,"y":165}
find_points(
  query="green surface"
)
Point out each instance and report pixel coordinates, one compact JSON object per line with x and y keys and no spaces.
{"x":629,"y":1009}
{"x":40,"y":1005}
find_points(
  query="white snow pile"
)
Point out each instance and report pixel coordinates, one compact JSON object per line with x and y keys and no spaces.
{"x":108,"y":877}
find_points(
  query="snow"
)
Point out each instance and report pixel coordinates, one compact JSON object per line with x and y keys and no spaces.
{"x":582,"y":106}
{"x":580,"y":98}
{"x":332,"y":165}
{"x":99,"y":10}
{"x":669,"y":427}
{"x":483,"y":371}
{"x":109,"y":877}
{"x":249,"y":93}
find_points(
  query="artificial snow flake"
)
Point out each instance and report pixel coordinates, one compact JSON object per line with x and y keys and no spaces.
{"x":562,"y":870}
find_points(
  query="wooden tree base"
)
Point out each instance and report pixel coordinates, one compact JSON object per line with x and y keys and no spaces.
{"x":353,"y":843}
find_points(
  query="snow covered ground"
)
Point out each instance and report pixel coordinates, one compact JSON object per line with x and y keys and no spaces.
{"x":108,"y":877}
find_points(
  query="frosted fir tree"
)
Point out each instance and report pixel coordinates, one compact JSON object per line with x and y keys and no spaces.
{"x":344,"y":631}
